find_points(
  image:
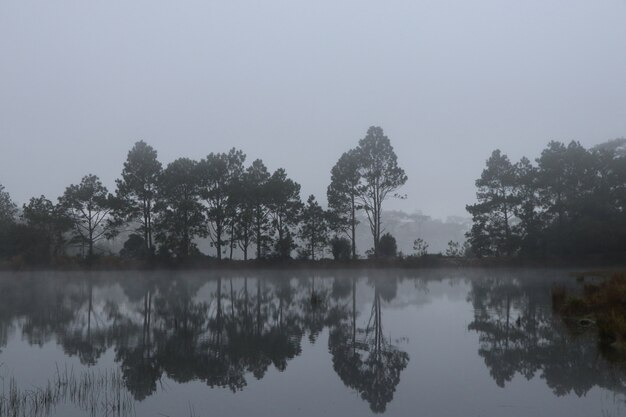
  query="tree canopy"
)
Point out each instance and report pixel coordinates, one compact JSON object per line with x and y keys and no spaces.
{"x":570,"y":203}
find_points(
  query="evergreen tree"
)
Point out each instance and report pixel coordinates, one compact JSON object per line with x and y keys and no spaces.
{"x":137,"y":190}
{"x":342,"y":197}
{"x":379,"y":177}
{"x":256,"y":179}
{"x":314,"y":227}
{"x":180,"y":213}
{"x":218,"y":174}
{"x":284,"y":209}
{"x":88,"y":206}
{"x":51,"y":223}
{"x":492,"y":232}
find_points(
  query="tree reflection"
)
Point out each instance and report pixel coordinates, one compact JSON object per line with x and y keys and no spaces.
{"x":135,"y":351}
{"x":363,"y":358}
{"x":519,"y":335}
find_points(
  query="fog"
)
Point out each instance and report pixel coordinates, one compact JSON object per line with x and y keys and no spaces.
{"x":298,"y":83}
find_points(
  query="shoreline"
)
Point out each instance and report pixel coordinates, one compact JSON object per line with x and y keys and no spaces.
{"x":208,"y":264}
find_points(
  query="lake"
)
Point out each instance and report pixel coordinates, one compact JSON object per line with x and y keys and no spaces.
{"x":299,"y":343}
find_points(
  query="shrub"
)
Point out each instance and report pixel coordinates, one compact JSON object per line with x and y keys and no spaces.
{"x":341,"y":248}
{"x":387,"y":246}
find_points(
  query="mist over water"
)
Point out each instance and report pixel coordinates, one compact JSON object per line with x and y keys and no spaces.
{"x":440,"y":342}
{"x":182,"y":150}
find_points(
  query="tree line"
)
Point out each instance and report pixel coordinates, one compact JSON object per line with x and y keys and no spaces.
{"x":165,"y":210}
{"x":570,"y":203}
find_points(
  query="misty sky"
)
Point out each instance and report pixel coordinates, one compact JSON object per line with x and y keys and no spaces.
{"x":297,"y":83}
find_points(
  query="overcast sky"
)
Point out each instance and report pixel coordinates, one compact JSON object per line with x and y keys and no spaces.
{"x":296,"y":83}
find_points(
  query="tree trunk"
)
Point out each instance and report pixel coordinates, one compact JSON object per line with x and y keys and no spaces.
{"x":353,"y":226}
{"x":218,"y":243}
{"x":149,"y":228}
{"x":258,"y":239}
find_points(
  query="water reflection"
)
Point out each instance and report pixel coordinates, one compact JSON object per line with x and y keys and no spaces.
{"x":362,"y":357}
{"x":519,"y":334}
{"x":226,"y":330}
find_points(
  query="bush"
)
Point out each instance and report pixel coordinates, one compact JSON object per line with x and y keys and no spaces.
{"x":341,"y":248}
{"x":134,"y":247}
{"x":387,"y":246}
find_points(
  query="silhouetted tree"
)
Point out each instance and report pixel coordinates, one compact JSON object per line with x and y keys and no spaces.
{"x":137,"y":189}
{"x":314,"y":227}
{"x":50,"y":221}
{"x":342,"y":194}
{"x":529,"y":226}
{"x":284,"y":209}
{"x":492,"y":232}
{"x":180,"y":213}
{"x":88,"y":205}
{"x":256,"y":180}
{"x":570,"y":204}
{"x":568,"y":180}
{"x":8,"y":209}
{"x":218,"y":174}
{"x":242,"y":201}
{"x":379,"y":175}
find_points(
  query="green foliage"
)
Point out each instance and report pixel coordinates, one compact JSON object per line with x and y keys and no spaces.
{"x":387,"y":246}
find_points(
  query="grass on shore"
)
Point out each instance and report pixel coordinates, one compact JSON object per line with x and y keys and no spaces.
{"x":602,"y":304}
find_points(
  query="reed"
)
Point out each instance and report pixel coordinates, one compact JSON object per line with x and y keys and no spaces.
{"x":95,"y":392}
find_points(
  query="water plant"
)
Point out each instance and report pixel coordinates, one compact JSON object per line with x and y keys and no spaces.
{"x":95,"y":392}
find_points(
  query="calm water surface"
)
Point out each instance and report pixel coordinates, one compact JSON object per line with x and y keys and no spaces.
{"x":392,"y":343}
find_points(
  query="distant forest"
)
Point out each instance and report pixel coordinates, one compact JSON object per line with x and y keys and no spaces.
{"x":570,"y":203}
